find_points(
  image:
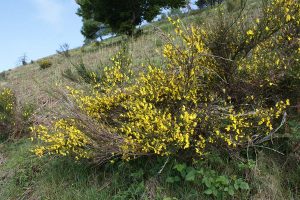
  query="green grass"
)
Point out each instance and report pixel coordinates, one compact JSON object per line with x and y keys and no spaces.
{"x":25,"y":176}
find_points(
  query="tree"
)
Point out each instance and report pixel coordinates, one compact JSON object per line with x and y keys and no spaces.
{"x":121,"y":16}
{"x":23,"y":59}
{"x":204,"y":3}
{"x":92,"y":29}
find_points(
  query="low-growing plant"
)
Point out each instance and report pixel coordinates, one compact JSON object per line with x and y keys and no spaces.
{"x":91,"y":76}
{"x":218,"y":186}
{"x":64,"y":50}
{"x":44,"y":64}
{"x":15,"y":119}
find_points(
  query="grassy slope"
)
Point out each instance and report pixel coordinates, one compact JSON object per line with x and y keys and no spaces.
{"x":24,"y":176}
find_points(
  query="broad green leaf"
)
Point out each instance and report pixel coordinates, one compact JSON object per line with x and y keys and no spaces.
{"x":191,"y":175}
{"x":206,"y":181}
{"x":180,"y":167}
{"x":208,"y":192}
{"x":223,"y":180}
{"x":244,"y":186}
{"x":230,"y":191}
{"x":170,"y":180}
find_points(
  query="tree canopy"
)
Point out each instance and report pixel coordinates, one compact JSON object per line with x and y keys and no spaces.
{"x":92,"y":29}
{"x":121,"y":16}
{"x":203,"y":3}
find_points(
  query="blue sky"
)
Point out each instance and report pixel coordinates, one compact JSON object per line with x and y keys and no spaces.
{"x":36,"y":28}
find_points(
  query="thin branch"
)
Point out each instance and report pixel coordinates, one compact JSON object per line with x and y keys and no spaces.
{"x":270,"y":136}
{"x":269,"y":149}
{"x":160,"y":171}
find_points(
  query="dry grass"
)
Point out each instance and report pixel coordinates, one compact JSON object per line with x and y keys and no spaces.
{"x":269,"y":179}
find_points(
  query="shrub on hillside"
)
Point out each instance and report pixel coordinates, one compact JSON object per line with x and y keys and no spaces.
{"x":14,"y":118}
{"x":89,"y":76}
{"x":3,"y":75}
{"x":64,"y":50}
{"x":219,"y":88}
{"x":7,"y":101}
{"x":44,"y":64}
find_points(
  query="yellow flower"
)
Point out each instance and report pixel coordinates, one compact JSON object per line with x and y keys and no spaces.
{"x":250,"y":33}
{"x":288,"y":18}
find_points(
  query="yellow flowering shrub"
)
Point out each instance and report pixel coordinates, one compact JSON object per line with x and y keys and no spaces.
{"x":64,"y":138}
{"x":7,"y":101}
{"x":7,"y":112}
{"x":213,"y":90}
{"x":14,"y":118}
{"x":44,"y":64}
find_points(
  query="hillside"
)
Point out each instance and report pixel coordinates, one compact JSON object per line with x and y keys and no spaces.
{"x":261,"y":164}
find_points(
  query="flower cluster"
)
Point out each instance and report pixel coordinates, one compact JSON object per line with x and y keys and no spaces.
{"x":7,"y":100}
{"x":63,"y":139}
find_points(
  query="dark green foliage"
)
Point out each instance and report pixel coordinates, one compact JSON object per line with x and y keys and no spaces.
{"x":217,"y":186}
{"x":121,"y":16}
{"x":204,"y":3}
{"x":92,"y":29}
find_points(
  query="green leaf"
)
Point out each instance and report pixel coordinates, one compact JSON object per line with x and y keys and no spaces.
{"x":176,"y":179}
{"x":244,"y":186}
{"x":215,"y":192}
{"x":236,"y":185}
{"x":230,"y":191}
{"x":200,"y":171}
{"x":171,"y":179}
{"x":223,"y":180}
{"x":208,"y":192}
{"x":206,"y":181}
{"x":180,"y":167}
{"x":191,"y":175}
